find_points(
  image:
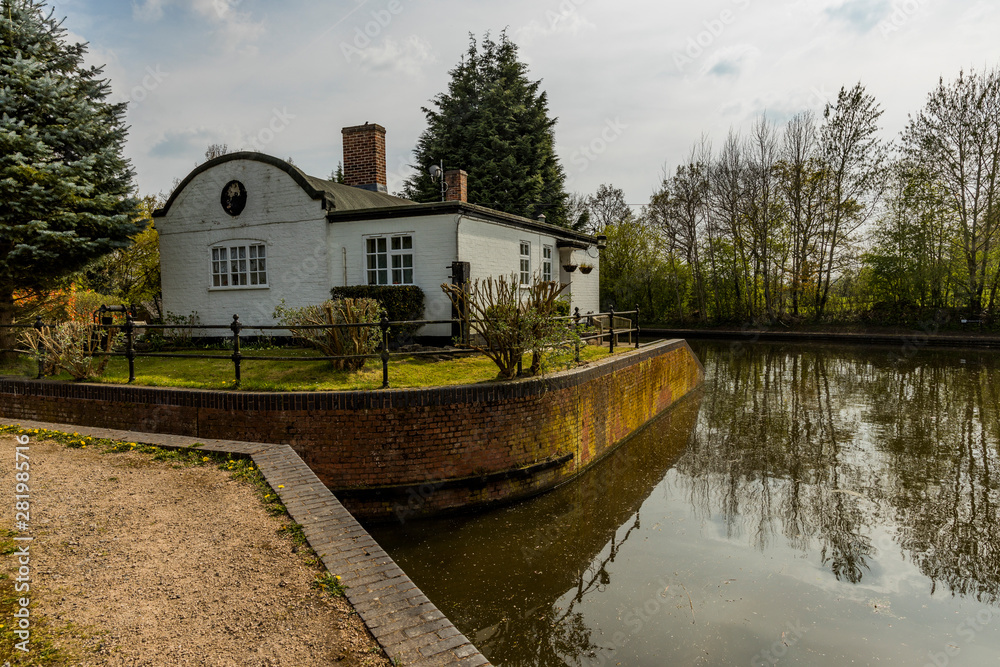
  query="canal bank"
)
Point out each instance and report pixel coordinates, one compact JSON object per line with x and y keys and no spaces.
{"x":911,"y":340}
{"x":404,"y":453}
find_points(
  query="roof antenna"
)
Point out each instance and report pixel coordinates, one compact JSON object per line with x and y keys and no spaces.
{"x":437,"y":174}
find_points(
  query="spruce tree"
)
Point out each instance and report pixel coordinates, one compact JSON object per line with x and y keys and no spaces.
{"x":493,"y":122}
{"x":65,"y":187}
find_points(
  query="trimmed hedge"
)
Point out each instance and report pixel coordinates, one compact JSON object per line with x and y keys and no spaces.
{"x":401,"y":302}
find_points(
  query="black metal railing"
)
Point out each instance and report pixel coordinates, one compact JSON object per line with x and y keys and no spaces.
{"x":584,"y":326}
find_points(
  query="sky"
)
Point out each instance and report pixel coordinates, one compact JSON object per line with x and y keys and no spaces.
{"x":633,"y":83}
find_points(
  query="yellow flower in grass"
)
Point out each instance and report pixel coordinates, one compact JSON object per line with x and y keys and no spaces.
{"x":205,"y":458}
{"x":281,"y":486}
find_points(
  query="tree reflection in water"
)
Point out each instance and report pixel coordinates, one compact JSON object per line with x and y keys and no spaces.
{"x":823,"y":460}
{"x":814,"y":446}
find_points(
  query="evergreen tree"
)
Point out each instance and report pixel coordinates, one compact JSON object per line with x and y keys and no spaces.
{"x":337,"y":175}
{"x":493,"y":122}
{"x":65,"y":188}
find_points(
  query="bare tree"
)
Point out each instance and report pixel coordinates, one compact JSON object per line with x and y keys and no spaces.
{"x":216,"y":150}
{"x":956,"y":138}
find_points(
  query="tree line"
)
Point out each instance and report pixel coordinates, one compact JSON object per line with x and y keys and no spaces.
{"x":820,"y":219}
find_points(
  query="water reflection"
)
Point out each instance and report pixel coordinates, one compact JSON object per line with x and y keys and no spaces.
{"x":823,"y":447}
{"x":513,"y":579}
{"x":837,"y":491}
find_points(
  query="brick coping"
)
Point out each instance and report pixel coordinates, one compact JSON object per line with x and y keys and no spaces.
{"x":405,"y":623}
{"x":339,"y":400}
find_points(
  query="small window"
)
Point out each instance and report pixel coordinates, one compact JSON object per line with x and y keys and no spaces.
{"x":547,"y":263}
{"x":525,"y":264}
{"x":389,"y":260}
{"x":243,"y":265}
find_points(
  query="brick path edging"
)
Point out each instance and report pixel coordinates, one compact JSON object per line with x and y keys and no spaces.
{"x":406,"y":624}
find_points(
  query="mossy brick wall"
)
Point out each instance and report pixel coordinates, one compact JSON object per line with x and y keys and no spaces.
{"x":405,"y":451}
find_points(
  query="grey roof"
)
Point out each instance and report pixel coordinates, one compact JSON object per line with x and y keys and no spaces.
{"x":348,"y":198}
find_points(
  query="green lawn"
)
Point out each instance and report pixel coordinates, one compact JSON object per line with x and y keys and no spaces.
{"x":404,"y":371}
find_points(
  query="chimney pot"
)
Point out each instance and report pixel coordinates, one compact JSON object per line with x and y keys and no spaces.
{"x":364,"y":157}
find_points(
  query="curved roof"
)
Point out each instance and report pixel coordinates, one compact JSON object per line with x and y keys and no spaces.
{"x":335,"y":196}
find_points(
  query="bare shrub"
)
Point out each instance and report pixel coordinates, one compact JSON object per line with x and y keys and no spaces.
{"x":336,"y":341}
{"x":506,"y":320}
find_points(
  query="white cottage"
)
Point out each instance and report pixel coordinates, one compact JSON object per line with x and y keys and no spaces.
{"x":246,"y":230}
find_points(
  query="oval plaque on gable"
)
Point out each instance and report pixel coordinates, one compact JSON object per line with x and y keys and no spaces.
{"x":234,"y":198}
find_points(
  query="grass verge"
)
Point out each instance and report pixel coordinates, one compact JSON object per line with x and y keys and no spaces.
{"x":306,"y":375}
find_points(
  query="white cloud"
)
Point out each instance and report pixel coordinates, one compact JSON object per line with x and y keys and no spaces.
{"x":148,"y":10}
{"x":407,"y":56}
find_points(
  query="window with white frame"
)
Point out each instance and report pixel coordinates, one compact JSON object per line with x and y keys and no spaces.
{"x":389,"y":260}
{"x":239,"y":265}
{"x":547,"y":263}
{"x":525,"y":263}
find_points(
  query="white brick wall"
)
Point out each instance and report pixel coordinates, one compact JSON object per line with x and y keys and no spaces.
{"x":494,"y":249}
{"x":306,"y":254}
{"x":433,"y":253}
{"x":278,"y":213}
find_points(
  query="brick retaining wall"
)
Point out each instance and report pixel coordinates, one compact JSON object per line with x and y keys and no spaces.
{"x":404,"y":452}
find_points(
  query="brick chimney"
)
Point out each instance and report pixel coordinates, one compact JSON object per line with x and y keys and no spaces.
{"x":364,"y":157}
{"x":457,"y":185}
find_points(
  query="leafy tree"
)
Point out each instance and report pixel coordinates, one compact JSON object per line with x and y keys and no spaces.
{"x":956,"y":139}
{"x":855,"y":159}
{"x":132,"y":274}
{"x":493,"y":122}
{"x":64,"y":184}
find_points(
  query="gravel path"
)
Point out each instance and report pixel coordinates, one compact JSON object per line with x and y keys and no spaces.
{"x":141,"y":562}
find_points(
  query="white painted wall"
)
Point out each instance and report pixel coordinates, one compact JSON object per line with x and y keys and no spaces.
{"x":494,"y":249}
{"x":433,"y":252}
{"x":278,"y":213}
{"x":307,"y":255}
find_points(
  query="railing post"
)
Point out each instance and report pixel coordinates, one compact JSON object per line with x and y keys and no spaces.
{"x":611,"y":328}
{"x":636,"y":327}
{"x":129,"y":344}
{"x":41,"y":348}
{"x":384,"y":324}
{"x":236,"y":327}
{"x":576,"y":329}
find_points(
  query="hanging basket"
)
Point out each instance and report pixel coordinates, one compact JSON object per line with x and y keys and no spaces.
{"x":569,"y":268}
{"x":586,"y":268}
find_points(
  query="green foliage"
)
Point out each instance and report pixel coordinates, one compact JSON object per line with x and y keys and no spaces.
{"x":132,"y":274}
{"x":401,"y":303}
{"x":330,"y":584}
{"x":64,"y":183}
{"x":336,"y":341}
{"x":180,"y":332}
{"x":493,"y":122}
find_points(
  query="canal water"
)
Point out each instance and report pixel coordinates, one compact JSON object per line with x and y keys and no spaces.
{"x":810,"y":505}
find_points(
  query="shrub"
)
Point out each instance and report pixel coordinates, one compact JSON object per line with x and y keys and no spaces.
{"x":505,"y":322}
{"x":336,"y":341}
{"x":401,"y":303}
{"x":180,"y":332}
{"x":70,"y":347}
